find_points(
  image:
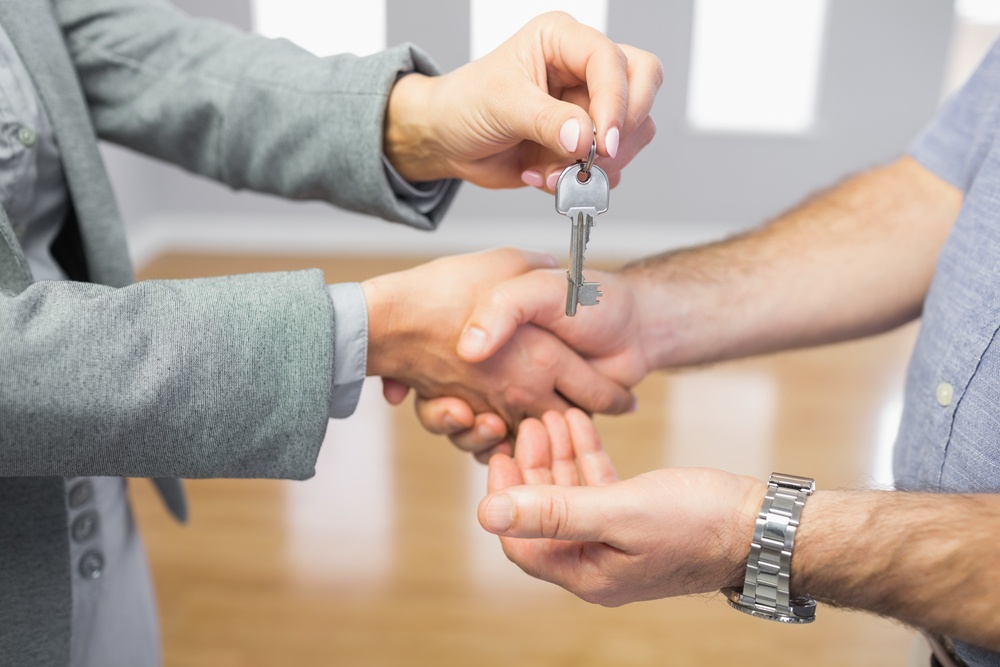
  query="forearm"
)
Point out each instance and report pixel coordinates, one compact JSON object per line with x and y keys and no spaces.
{"x":251,"y":112}
{"x":213,"y":377}
{"x":852,"y":261}
{"x":929,"y":560}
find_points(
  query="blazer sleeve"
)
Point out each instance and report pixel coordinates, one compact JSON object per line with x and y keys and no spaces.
{"x":214,"y":377}
{"x":251,"y":112}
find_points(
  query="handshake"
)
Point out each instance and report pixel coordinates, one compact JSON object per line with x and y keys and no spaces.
{"x":492,"y":354}
{"x":493,"y":346}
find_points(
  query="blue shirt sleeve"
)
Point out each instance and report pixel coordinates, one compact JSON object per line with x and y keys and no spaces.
{"x":957,"y":141}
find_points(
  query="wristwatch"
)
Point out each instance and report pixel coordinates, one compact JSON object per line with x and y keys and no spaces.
{"x":765,"y":591}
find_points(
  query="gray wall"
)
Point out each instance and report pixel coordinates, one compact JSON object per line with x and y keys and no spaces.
{"x":881,"y":81}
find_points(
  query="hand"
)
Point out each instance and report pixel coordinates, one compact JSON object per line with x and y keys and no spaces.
{"x":523,"y":112}
{"x":611,"y":336}
{"x":664,"y":533}
{"x":412,"y":339}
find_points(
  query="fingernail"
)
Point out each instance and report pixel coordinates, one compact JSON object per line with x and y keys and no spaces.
{"x":500,"y":513}
{"x":552,"y":180}
{"x":451,"y":423}
{"x":611,"y":140}
{"x":569,"y":135}
{"x":532,"y":178}
{"x":635,"y":406}
{"x":485,"y":433}
{"x":473,"y":342}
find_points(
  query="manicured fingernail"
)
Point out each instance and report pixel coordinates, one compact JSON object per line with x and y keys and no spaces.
{"x":500,"y":513}
{"x":552,"y":180}
{"x":569,"y":135}
{"x":473,"y":342}
{"x":611,"y":140}
{"x":532,"y":178}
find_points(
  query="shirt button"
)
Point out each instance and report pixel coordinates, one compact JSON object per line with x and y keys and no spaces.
{"x":26,"y":136}
{"x":81,"y":493}
{"x":945,"y":392}
{"x":84,"y":526}
{"x":92,"y":564}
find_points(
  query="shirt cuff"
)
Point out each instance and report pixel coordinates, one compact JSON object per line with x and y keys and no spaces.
{"x":350,"y":345}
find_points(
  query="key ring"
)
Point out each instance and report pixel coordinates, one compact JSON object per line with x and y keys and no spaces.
{"x":584,"y":175}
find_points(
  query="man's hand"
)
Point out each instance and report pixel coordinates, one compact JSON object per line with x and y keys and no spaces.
{"x":611,"y":336}
{"x":415,"y":318}
{"x":524,"y":111}
{"x":665,"y":533}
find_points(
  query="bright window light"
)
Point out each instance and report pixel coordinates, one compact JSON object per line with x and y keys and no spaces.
{"x":493,"y":22}
{"x":986,"y":12}
{"x":755,"y":65}
{"x":325,"y":28}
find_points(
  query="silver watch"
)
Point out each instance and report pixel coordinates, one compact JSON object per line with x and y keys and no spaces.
{"x":766,"y":589}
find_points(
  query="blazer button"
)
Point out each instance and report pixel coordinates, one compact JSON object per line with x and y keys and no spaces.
{"x":92,"y":564}
{"x":84,"y":526}
{"x":26,"y":136}
{"x":81,"y":493}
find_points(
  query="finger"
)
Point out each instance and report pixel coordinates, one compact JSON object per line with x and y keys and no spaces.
{"x":630,"y":147}
{"x":580,"y":384}
{"x":394,"y":391}
{"x":564,"y":471}
{"x":555,"y":512}
{"x":532,"y":452}
{"x":488,"y":430}
{"x":444,"y":416}
{"x":504,"y":448}
{"x":538,"y":296}
{"x":595,"y":464}
{"x":645,"y":76}
{"x":591,"y":57}
{"x":502,"y":473}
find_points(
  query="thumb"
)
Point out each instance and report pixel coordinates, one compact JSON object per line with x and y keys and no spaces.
{"x":555,"y":512}
{"x":538,"y":297}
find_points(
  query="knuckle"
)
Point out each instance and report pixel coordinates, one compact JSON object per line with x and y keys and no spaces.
{"x":554,"y":517}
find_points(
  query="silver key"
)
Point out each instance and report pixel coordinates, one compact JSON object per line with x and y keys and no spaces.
{"x":582,"y":202}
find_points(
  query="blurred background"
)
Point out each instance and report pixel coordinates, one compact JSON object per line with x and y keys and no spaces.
{"x":378,"y":560}
{"x":763,"y":101}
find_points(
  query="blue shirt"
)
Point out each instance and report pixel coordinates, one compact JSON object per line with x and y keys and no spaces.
{"x":949,"y":439}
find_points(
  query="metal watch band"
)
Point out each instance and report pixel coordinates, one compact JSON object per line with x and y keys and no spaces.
{"x":766,"y":587}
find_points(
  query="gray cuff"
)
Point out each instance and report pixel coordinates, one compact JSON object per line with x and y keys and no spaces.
{"x":422,"y":197}
{"x":350,"y":346}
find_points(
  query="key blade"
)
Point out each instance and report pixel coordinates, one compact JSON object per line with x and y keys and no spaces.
{"x":572,"y":295}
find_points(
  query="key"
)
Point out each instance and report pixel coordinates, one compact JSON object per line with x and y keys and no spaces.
{"x":582,"y":202}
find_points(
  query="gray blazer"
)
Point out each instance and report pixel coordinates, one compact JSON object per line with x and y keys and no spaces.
{"x":221,"y":377}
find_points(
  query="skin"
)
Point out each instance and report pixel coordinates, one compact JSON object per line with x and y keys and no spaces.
{"x":563,"y":516}
{"x":413,"y":337}
{"x":849,"y":262}
{"x":531,"y":107}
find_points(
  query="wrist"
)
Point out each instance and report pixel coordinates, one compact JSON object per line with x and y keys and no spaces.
{"x":408,"y":139}
{"x":657,"y":329}
{"x":744,"y":520}
{"x":383,"y":327}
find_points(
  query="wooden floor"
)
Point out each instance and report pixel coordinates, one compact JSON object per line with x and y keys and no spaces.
{"x":378,"y":560}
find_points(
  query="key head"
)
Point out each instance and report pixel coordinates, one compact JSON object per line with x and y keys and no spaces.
{"x":571,"y":193}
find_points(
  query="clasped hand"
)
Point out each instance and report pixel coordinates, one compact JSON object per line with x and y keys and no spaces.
{"x":415,"y":319}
